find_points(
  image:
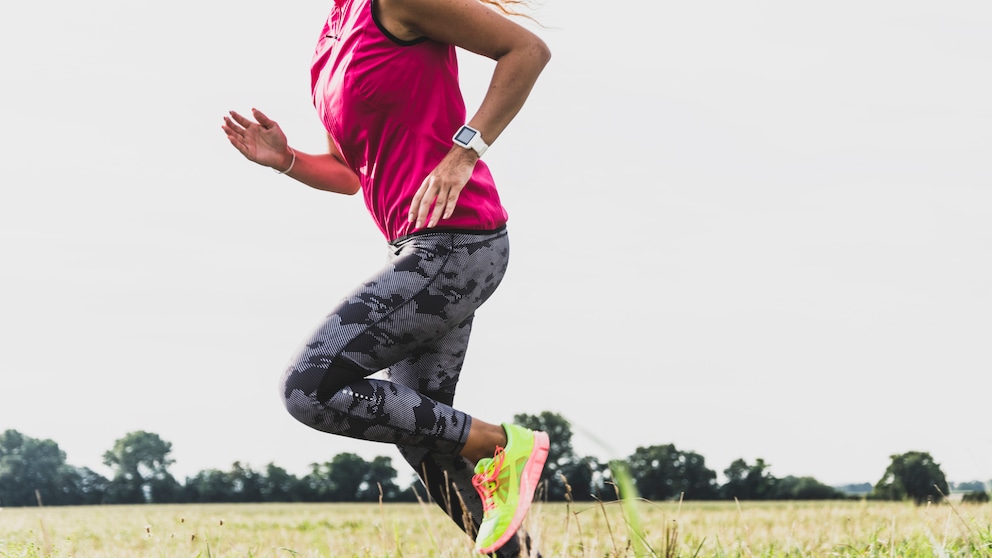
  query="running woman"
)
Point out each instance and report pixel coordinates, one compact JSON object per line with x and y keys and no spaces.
{"x":384,"y":80}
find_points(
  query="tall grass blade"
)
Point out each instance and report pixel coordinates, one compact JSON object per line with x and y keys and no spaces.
{"x":628,"y":503}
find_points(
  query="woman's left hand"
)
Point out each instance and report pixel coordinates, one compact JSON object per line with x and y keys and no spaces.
{"x":438,"y":193}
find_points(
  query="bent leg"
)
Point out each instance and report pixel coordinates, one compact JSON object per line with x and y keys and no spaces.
{"x":433,"y":283}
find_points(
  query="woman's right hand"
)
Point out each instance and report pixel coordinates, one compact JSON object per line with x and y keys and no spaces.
{"x":261,"y":141}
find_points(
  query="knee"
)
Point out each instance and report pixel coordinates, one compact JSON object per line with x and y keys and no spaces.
{"x":306,"y":390}
{"x":297,"y":390}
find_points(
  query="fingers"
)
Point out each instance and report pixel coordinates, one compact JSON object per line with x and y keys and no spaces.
{"x":260,"y":118}
{"x":235,"y":134}
{"x":432,"y":202}
{"x":420,"y":207}
{"x":232,"y":129}
{"x":242,"y":133}
{"x":236,"y":126}
{"x":244,"y":122}
{"x":424,"y":201}
{"x":414,"y":214}
{"x":263,"y":121}
{"x":443,"y":208}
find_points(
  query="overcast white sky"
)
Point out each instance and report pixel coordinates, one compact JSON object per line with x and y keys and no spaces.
{"x":750,"y":229}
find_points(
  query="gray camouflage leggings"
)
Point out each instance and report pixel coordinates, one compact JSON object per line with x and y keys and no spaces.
{"x":412,"y":320}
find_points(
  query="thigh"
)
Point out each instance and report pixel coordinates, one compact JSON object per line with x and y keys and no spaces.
{"x":432,"y":284}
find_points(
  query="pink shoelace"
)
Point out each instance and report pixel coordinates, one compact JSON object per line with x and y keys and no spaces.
{"x":487,"y":481}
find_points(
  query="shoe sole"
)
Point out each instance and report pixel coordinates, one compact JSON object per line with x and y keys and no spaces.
{"x":529,"y":480}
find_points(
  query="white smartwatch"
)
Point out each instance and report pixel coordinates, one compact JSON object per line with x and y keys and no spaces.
{"x":470,"y":138}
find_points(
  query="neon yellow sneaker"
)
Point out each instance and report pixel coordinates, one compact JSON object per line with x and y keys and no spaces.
{"x":506,"y":484}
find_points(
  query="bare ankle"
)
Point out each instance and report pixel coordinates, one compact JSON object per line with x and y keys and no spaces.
{"x":483,"y":439}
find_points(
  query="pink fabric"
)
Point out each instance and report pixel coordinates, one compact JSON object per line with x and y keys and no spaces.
{"x":392,"y":108}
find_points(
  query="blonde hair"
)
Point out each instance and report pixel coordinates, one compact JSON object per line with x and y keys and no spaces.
{"x":509,"y":7}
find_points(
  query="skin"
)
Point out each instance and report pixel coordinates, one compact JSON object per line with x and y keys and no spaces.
{"x":520,"y":57}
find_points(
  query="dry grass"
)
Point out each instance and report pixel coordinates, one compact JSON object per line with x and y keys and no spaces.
{"x":592,"y":530}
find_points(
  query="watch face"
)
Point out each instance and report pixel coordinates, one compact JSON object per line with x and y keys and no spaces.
{"x":465,"y":135}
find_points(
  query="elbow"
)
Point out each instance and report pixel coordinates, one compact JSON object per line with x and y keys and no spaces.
{"x":538,"y":53}
{"x":349,"y":184}
{"x":530,"y":56}
{"x":346,"y":187}
{"x":353,"y":187}
{"x":542,"y":53}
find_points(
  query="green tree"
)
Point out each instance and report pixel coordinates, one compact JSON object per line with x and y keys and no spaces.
{"x":278,"y":485}
{"x":316,"y":484}
{"x":748,"y":482}
{"x":245,"y":483}
{"x":665,"y":472}
{"x":380,"y":474}
{"x":347,"y":474}
{"x":31,"y":469}
{"x":140,"y":461}
{"x":242,"y":484}
{"x":975,"y":497}
{"x":583,"y":479}
{"x":912,"y":475}
{"x":804,"y":488}
{"x":209,"y":486}
{"x":342,"y":479}
{"x":89,"y":485}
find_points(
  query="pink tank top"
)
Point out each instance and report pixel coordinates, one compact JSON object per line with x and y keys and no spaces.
{"x":391,"y":107}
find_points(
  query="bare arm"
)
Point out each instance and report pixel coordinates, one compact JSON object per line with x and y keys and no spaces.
{"x":520,"y":57}
{"x":263,"y":142}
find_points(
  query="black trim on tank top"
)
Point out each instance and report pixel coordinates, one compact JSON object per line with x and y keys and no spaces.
{"x":389,"y":35}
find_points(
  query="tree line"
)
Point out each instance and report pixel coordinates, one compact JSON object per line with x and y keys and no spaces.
{"x":34,"y":472}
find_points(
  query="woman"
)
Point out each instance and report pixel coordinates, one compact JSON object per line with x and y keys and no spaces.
{"x":384,"y":79}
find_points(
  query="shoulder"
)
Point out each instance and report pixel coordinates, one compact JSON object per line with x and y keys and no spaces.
{"x":471,"y":24}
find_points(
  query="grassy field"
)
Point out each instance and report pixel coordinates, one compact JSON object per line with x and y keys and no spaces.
{"x":580,"y":530}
